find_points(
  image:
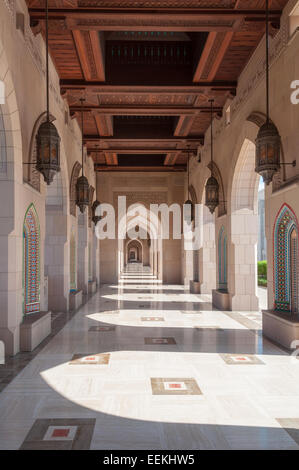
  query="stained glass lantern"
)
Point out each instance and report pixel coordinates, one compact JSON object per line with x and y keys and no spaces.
{"x":48,"y":151}
{"x":82,"y":193}
{"x":212,"y":194}
{"x":268,"y":143}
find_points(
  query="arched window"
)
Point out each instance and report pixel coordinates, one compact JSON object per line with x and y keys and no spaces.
{"x":73,"y":264}
{"x":31,"y":271}
{"x":286,"y":260}
{"x":222,"y":260}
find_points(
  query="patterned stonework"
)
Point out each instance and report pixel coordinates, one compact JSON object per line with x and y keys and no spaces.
{"x":286,"y":260}
{"x":31,"y":273}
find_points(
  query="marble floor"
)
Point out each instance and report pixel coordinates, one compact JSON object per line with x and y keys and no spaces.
{"x":149,"y":366}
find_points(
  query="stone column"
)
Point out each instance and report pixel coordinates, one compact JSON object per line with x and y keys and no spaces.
{"x":242,"y":266}
{"x":207,"y":252}
{"x":82,"y":250}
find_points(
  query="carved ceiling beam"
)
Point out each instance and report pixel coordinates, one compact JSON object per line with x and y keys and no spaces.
{"x":90,"y":50}
{"x":100,"y":167}
{"x":184,"y":125}
{"x":214,"y":51}
{"x":144,"y":110}
{"x":104,"y":124}
{"x":198,"y":139}
{"x":111,"y":158}
{"x":145,"y":151}
{"x":100,"y":87}
{"x":171,"y":158}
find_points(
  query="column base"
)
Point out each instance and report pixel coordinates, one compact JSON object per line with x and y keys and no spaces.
{"x":34,"y":329}
{"x":92,"y":287}
{"x":11,"y":339}
{"x":244,"y":303}
{"x":195,"y":287}
{"x":280,"y":327}
{"x":221,"y":299}
{"x":75,"y":299}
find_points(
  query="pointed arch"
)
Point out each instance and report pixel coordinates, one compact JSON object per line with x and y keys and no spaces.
{"x":286,"y":265}
{"x":75,"y":173}
{"x":31,"y":261}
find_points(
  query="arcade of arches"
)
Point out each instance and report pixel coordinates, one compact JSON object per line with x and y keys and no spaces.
{"x":152,"y":315}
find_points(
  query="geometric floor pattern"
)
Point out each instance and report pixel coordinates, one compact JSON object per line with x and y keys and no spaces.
{"x":178,"y":392}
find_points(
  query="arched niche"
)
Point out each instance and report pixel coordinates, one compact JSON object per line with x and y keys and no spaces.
{"x":286,"y":264}
{"x":75,"y":174}
{"x":31,"y":261}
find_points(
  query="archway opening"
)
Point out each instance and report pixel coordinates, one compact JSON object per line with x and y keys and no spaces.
{"x":248,"y":242}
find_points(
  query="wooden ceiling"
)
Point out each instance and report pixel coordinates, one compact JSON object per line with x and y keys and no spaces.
{"x":147,"y":70}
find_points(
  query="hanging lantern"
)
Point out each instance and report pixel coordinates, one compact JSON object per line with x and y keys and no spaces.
{"x":48,"y":151}
{"x":82,"y":186}
{"x":95,"y":218}
{"x":189,"y":202}
{"x":212,"y":194}
{"x":268,"y":144}
{"x":212,"y":186}
{"x":47,"y":139}
{"x":82,"y":193}
{"x":268,"y":141}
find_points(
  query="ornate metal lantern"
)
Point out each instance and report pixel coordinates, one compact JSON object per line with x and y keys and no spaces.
{"x":47,"y":139}
{"x":212,"y":186}
{"x":48,"y":151}
{"x":82,"y":193}
{"x":82,"y":185}
{"x":212,"y":194}
{"x":95,"y":218}
{"x":189,"y":202}
{"x":268,"y":143}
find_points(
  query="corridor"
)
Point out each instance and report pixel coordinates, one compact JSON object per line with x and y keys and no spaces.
{"x":149,"y":366}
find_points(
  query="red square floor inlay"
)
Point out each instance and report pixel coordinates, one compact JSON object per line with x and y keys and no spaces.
{"x":60,"y":432}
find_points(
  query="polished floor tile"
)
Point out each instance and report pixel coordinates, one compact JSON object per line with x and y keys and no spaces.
{"x":151,"y":375}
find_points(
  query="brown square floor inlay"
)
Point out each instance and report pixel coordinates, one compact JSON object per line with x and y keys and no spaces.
{"x":291,"y":426}
{"x":241,"y":359}
{"x":175,"y":386}
{"x":102,"y":328}
{"x":158,"y":341}
{"x":90,"y":359}
{"x":59,"y":434}
{"x":152,"y":319}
